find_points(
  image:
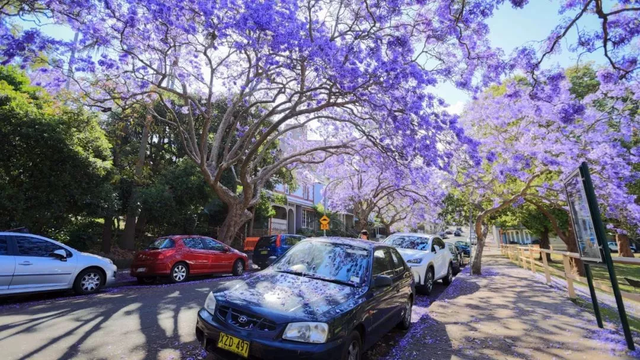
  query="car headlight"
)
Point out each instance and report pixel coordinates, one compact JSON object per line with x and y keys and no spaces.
{"x":309,"y":332}
{"x":414,"y":261}
{"x":210,"y":303}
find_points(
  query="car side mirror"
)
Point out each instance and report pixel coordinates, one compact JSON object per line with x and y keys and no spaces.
{"x":226,"y":249}
{"x":381,"y":281}
{"x":59,"y":254}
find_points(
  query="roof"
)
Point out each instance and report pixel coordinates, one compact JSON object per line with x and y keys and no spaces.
{"x":414,"y":234}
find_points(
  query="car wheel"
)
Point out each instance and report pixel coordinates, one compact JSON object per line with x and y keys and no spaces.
{"x":88,"y":281}
{"x":405,"y":323}
{"x":426,"y":288}
{"x":449,"y":277}
{"x":179,"y":272}
{"x":146,"y":280}
{"x":238,"y":268}
{"x":353,"y":347}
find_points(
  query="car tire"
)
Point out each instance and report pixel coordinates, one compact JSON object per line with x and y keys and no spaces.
{"x":179,"y":272}
{"x":449,"y":277}
{"x":89,"y":281}
{"x":352,"y":347}
{"x":405,"y":322}
{"x":238,"y":268}
{"x":427,"y":287}
{"x":146,"y":280}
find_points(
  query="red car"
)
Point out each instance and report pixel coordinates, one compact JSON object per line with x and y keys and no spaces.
{"x":179,"y":256}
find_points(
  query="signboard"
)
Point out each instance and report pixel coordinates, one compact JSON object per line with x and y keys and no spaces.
{"x":324,"y":226}
{"x":581,"y":218}
{"x":324,"y":220}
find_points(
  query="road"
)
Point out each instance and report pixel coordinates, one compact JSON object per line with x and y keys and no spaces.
{"x":127,"y":321}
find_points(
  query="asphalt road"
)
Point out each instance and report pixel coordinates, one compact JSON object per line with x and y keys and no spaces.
{"x":127,"y":321}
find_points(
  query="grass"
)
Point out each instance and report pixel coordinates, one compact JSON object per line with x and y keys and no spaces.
{"x":609,"y":314}
{"x":600,"y":273}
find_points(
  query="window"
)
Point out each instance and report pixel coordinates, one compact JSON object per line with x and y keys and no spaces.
{"x":397,"y":262}
{"x":307,"y":219}
{"x":409,"y":242}
{"x":289,"y":240}
{"x":211,"y":244}
{"x":29,"y":246}
{"x":437,"y":242}
{"x":193,"y":243}
{"x":382,"y":263}
{"x":4,"y":245}
{"x":162,"y":243}
{"x":265,"y":242}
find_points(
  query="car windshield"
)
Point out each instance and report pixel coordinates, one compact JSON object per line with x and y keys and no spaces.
{"x":333,"y":262}
{"x":162,"y":243}
{"x":461,"y":243}
{"x":410,"y":242}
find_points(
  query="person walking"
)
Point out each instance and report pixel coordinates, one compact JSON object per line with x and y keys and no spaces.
{"x":364,"y":235}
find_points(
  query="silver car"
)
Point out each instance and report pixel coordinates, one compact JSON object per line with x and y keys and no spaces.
{"x":32,"y":263}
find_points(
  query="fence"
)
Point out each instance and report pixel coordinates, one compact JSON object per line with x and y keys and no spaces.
{"x":526,"y":256}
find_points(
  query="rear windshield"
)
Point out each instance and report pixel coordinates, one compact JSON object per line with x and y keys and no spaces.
{"x":265,"y":241}
{"x":162,"y":243}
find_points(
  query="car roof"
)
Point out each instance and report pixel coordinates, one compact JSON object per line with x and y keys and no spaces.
{"x":414,"y":234}
{"x":35,"y":236}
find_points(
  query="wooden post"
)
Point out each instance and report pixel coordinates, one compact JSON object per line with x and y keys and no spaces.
{"x":569,"y":276}
{"x":533,"y":265}
{"x":546,"y":268}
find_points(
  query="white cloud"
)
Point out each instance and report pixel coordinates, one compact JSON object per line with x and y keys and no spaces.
{"x":456,"y":108}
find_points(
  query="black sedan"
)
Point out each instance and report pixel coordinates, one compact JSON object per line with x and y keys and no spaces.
{"x":326,"y":298}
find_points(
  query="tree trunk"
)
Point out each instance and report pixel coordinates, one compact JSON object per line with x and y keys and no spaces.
{"x":107,"y":234}
{"x":544,"y":244}
{"x":481,"y":234}
{"x":252,"y":221}
{"x":624,"y":248}
{"x":237,"y":216}
{"x":129,"y":233}
{"x":141,"y":224}
{"x":387,"y":229}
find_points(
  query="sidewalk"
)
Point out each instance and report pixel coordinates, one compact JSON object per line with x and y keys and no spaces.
{"x":507,"y":313}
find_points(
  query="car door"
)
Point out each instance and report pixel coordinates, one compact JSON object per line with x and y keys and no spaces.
{"x":401,"y":282}
{"x":36,"y":269}
{"x":7,"y":263}
{"x":437,"y":247}
{"x":220,"y":260}
{"x":384,"y":302}
{"x":195,"y":255}
{"x":286,"y":242}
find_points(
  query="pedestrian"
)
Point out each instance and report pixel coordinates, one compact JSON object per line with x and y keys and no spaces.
{"x":364,"y":235}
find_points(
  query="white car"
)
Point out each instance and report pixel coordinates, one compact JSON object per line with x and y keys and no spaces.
{"x":32,"y":263}
{"x":613,"y":246}
{"x":428,"y":257}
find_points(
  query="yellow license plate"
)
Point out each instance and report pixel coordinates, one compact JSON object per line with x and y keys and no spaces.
{"x":233,"y":344}
{"x":264,"y":252}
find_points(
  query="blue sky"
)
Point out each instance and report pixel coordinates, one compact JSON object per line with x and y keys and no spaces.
{"x":509,"y":28}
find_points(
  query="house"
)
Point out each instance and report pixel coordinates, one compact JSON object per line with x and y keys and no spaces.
{"x":512,"y":235}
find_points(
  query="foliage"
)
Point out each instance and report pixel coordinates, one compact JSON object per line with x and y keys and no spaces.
{"x":54,"y":159}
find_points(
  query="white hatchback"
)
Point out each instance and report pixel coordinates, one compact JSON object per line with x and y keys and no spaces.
{"x":32,"y":263}
{"x":428,"y":257}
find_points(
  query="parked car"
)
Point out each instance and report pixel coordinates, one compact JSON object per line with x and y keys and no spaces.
{"x":456,"y":258}
{"x":32,"y":263}
{"x":457,"y":233}
{"x":427,"y":256}
{"x":633,"y":247}
{"x":448,"y":232}
{"x":464,"y":248}
{"x":269,"y":248}
{"x":613,"y":246}
{"x":180,"y":256}
{"x":459,"y":229}
{"x":326,"y":298}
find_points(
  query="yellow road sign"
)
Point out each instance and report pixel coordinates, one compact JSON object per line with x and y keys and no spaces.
{"x":324,"y":226}
{"x":324,"y":220}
